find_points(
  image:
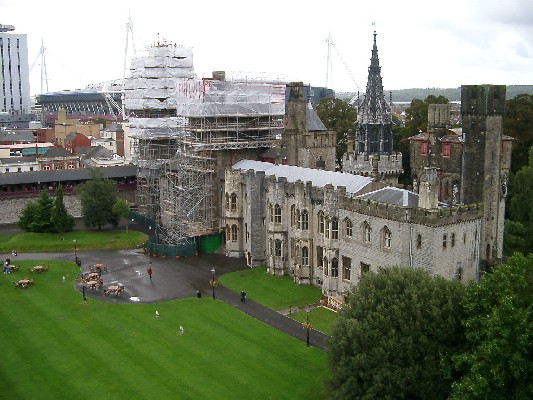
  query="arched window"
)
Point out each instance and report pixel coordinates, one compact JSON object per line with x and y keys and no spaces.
{"x":320,"y":222}
{"x":277,"y":214}
{"x":271,"y":212}
{"x":334,"y":228}
{"x":386,"y":235}
{"x":367,"y":231}
{"x":228,"y":233}
{"x":270,"y":247}
{"x":298,"y":219}
{"x":319,"y":256}
{"x":346,"y":268}
{"x":234,"y":233}
{"x":326,"y":266}
{"x":305,"y":256}
{"x":453,"y":240}
{"x":305,"y":220}
{"x":334,"y":268}
{"x":419,"y":241}
{"x":348,"y":226}
{"x":277,"y":248}
{"x":328,"y":226}
{"x":233,"y":201}
{"x":293,"y":215}
{"x":227,"y":201}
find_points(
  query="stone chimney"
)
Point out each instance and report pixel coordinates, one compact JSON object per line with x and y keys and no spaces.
{"x":428,"y":193}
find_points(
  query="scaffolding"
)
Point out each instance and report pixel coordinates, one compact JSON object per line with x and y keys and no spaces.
{"x":182,"y":127}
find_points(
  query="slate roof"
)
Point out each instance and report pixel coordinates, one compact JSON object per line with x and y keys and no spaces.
{"x":319,"y":178}
{"x":394,"y":196}
{"x":16,"y":160}
{"x":66,"y":175}
{"x":313,"y":121}
{"x":21,"y":135}
{"x":54,"y":152}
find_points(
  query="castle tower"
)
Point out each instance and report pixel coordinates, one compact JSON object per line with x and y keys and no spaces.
{"x":373,"y":136}
{"x":487,"y":160}
{"x":308,"y":142}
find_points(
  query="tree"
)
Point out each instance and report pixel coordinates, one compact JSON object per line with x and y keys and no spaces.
{"x":417,"y":113}
{"x":42,"y":214}
{"x":499,"y":334}
{"x":518,"y":123}
{"x":395,"y":336}
{"x":97,"y":196}
{"x":27,"y":215}
{"x":61,"y":220}
{"x":339,"y":116}
{"x":122,"y":210}
{"x":520,"y":204}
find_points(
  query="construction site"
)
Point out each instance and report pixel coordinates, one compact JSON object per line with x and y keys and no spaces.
{"x":184,"y":132}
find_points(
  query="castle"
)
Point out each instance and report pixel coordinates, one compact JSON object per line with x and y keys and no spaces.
{"x":329,"y":228}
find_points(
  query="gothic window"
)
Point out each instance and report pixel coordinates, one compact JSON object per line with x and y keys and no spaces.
{"x":386,"y":235}
{"x":423,"y":148}
{"x":366,"y":232}
{"x":233,"y":201}
{"x":270,"y":247}
{"x":446,"y":150}
{"x":320,"y":222}
{"x":346,"y":268}
{"x":277,"y":214}
{"x":277,"y":248}
{"x":298,"y":219}
{"x":233,"y":233}
{"x":293,"y":214}
{"x":326,"y":266}
{"x":305,"y":220}
{"x":319,"y":256}
{"x":419,"y":241}
{"x":348,"y":227}
{"x":334,"y":268}
{"x":444,"y":240}
{"x":228,"y":233}
{"x":364,"y":268}
{"x":271,"y":212}
{"x":334,"y":228}
{"x":452,"y":239}
{"x":305,"y":256}
{"x":328,"y":226}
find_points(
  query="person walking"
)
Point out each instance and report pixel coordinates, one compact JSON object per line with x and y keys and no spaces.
{"x":243,"y":296}
{"x":150,"y":273}
{"x":83,"y":293}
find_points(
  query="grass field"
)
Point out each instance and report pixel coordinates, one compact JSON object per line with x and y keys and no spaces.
{"x":55,"y":347}
{"x":275,"y":292}
{"x":320,"y":318}
{"x":30,"y":242}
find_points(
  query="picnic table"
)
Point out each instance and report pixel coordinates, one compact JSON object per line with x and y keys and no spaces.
{"x":92,"y":284}
{"x":92,"y":276}
{"x":99,"y":267}
{"x":13,"y":268}
{"x":114,"y":289}
{"x":40,"y":268}
{"x":25,"y":283}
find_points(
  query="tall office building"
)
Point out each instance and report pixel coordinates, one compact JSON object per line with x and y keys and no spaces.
{"x":15,"y":109}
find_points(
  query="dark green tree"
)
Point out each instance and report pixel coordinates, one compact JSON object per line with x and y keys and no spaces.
{"x":395,"y":336}
{"x":520,"y":201}
{"x":518,"y":123}
{"x":98,"y":196}
{"x":122,"y":210}
{"x":339,"y":116}
{"x":43,"y":213}
{"x":27,"y":215}
{"x":499,"y":335}
{"x":61,"y":220}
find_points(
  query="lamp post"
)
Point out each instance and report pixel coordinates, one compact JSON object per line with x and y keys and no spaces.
{"x":75,"y":251}
{"x":213,"y":281}
{"x":307,"y":324}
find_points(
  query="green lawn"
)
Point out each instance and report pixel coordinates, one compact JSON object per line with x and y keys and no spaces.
{"x":30,"y":242}
{"x":320,"y":318}
{"x":55,"y":347}
{"x":275,"y":292}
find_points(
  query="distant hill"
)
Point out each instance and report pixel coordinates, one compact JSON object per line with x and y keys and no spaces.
{"x":453,"y":94}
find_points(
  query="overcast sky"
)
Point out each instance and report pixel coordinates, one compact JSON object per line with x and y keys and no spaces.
{"x":421,"y":43}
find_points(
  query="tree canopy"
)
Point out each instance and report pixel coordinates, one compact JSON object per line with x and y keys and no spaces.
{"x":36,"y":217}
{"x":339,"y":116}
{"x":499,"y":331}
{"x":518,"y":123}
{"x":395,"y":336}
{"x":98,"y":196}
{"x":60,"y":219}
{"x":122,"y":210}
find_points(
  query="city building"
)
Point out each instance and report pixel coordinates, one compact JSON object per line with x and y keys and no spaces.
{"x":15,"y":107}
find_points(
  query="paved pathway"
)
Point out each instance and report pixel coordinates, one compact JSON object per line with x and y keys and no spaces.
{"x":174,"y":279}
